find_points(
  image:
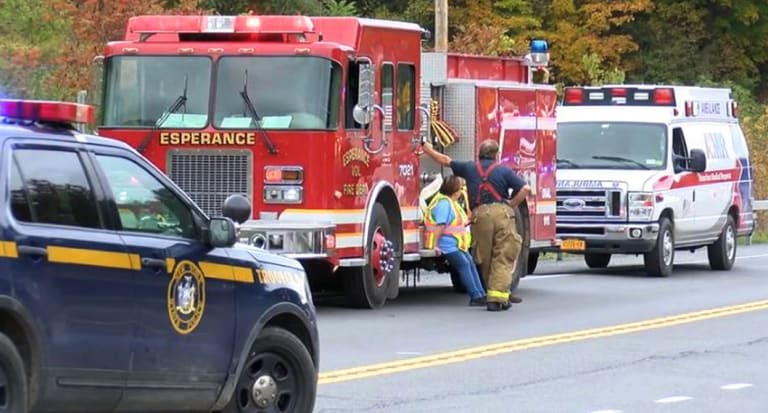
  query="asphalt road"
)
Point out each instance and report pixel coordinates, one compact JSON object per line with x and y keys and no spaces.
{"x":586,"y":341}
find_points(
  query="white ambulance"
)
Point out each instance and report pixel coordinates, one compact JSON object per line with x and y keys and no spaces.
{"x":650,"y":170}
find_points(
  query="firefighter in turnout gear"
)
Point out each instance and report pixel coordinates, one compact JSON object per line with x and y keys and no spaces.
{"x":448,"y":232}
{"x":496,"y":245}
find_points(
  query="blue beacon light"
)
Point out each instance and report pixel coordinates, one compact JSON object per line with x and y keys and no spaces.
{"x":539,"y":49}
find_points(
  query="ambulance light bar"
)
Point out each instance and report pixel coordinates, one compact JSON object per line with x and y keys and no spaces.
{"x":625,"y":96}
{"x":47,"y":111}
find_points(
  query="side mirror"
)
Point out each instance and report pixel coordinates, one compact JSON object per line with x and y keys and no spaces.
{"x":698,"y":161}
{"x":221,"y":232}
{"x":365,"y":80}
{"x":237,"y":208}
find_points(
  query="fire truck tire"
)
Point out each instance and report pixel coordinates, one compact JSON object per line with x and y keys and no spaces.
{"x":533,"y":260}
{"x":660,"y":260}
{"x":524,"y":229}
{"x":368,"y":286}
{"x":597,"y":260}
{"x":279,"y":363}
{"x":722,"y":254}
{"x":13,"y":379}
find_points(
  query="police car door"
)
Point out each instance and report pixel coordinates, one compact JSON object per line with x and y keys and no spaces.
{"x":71,"y":274}
{"x":182,"y":351}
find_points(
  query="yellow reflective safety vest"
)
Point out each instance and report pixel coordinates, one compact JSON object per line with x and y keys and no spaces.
{"x":457,"y":228}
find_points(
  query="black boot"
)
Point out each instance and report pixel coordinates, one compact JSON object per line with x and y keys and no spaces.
{"x":477,"y":302}
{"x":498,"y":306}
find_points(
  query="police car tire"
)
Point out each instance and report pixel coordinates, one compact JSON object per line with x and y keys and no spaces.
{"x":359,"y":285}
{"x":13,"y":367}
{"x":654,"y":260}
{"x":280,"y":341}
{"x":719,"y":259}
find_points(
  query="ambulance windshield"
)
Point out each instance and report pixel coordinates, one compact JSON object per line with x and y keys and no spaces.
{"x":139,"y":89}
{"x":611,"y":145}
{"x":287,"y":92}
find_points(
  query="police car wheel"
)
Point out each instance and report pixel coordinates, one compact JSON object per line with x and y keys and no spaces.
{"x":722,"y":254}
{"x":660,"y":260}
{"x":13,"y":380}
{"x":278,"y":376}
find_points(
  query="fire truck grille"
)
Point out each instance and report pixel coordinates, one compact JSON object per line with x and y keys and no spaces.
{"x":588,"y":204}
{"x":209,"y":177}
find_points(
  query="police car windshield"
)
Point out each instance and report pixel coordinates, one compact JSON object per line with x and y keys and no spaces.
{"x":611,"y":145}
{"x":288,"y":92}
{"x":139,"y":89}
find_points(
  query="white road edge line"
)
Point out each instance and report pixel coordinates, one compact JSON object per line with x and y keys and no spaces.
{"x":736,"y":386}
{"x":673,"y":399}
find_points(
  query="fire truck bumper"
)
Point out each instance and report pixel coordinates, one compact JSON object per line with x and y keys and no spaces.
{"x":294,"y":239}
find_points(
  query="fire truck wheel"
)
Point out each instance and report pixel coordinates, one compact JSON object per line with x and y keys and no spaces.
{"x":13,"y":380}
{"x":523,"y":228}
{"x":722,"y":254}
{"x":659,"y":261}
{"x":597,"y":260}
{"x":278,"y":376}
{"x":533,"y":260}
{"x":368,"y":286}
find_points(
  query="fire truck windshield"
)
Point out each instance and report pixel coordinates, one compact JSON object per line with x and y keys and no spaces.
{"x":287,"y":92}
{"x":139,"y":89}
{"x":611,"y":145}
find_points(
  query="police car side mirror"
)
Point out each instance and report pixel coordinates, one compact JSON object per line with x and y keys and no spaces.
{"x":221,"y":232}
{"x":697,"y":161}
{"x":237,"y":208}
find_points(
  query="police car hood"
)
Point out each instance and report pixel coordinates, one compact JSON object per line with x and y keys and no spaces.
{"x":629,"y":179}
{"x":262,"y":255}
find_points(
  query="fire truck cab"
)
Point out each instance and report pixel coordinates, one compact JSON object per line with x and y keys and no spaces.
{"x":317,"y":122}
{"x":647,"y":170}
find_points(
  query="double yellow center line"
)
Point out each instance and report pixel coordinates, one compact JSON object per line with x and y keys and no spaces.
{"x":473,"y":353}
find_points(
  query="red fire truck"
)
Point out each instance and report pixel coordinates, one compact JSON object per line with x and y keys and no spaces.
{"x":317,"y":121}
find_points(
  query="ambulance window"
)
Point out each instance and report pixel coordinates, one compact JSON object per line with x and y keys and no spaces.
{"x":679,"y":150}
{"x":387,"y":90}
{"x":144,"y":203}
{"x":51,"y":187}
{"x":406,"y":93}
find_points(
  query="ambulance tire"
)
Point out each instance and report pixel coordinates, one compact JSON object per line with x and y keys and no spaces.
{"x":722,"y":254}
{"x":660,"y":260}
{"x":14,"y":378}
{"x":292,"y":365}
{"x":359,"y":283}
{"x":597,"y":260}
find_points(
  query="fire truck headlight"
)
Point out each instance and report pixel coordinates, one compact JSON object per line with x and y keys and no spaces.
{"x":283,"y":194}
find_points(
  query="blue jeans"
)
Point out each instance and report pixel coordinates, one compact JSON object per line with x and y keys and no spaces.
{"x":464,"y":265}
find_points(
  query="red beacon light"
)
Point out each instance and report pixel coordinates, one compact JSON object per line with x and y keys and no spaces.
{"x":44,"y":111}
{"x":574,"y":95}
{"x":664,"y":96}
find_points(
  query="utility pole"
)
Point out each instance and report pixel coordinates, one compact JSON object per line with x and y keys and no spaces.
{"x":441,"y":26}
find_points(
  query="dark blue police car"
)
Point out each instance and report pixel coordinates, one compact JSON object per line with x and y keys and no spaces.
{"x":118,"y":294}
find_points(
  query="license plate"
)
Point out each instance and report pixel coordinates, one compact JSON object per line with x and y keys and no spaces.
{"x":573,"y":245}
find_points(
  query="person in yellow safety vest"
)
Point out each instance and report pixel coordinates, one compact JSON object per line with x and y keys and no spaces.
{"x":448,"y":233}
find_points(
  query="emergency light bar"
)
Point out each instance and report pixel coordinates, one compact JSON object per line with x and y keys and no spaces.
{"x":628,"y":96}
{"x":221,"y":24}
{"x":47,"y":111}
{"x":711,"y":109}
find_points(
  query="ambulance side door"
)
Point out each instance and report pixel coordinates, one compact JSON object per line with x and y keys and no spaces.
{"x":683,"y":188}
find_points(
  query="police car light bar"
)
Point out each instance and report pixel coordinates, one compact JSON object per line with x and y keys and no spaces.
{"x":47,"y":111}
{"x":629,"y":96}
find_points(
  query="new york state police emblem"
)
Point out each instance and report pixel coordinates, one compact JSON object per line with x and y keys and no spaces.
{"x":186,"y":297}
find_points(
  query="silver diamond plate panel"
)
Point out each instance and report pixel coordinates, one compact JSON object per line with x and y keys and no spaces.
{"x":459,"y":112}
{"x":210,"y":176}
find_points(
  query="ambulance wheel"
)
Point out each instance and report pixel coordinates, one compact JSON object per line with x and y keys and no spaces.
{"x":13,"y":379}
{"x":533,"y":261}
{"x":368,"y":286}
{"x":597,"y":260}
{"x":659,"y":261}
{"x":278,"y":376}
{"x":722,"y":254}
